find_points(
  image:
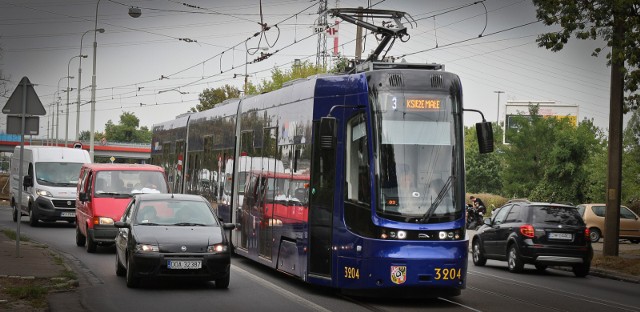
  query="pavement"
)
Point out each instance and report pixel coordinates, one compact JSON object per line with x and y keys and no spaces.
{"x":37,"y":260}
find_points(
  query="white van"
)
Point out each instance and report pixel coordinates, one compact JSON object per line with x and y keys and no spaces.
{"x":50,"y":178}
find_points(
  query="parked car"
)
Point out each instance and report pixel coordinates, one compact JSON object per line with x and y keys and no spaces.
{"x":104,"y":190}
{"x":593,"y":215}
{"x":172,"y":236}
{"x":536,"y":233}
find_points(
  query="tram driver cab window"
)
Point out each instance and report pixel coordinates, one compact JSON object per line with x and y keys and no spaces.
{"x":357,"y":177}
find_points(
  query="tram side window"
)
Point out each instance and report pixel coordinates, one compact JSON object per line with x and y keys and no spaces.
{"x":357,"y":175}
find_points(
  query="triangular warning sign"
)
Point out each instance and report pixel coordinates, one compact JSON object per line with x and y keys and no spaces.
{"x":33,"y":105}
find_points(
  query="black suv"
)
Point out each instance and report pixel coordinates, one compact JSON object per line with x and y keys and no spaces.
{"x":541,"y":234}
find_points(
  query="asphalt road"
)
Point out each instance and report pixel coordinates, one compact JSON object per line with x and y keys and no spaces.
{"x":254,"y":287}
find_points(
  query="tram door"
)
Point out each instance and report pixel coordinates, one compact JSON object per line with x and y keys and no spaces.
{"x":321,"y":195}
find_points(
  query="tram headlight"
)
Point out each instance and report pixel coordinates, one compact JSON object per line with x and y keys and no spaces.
{"x":402,"y":234}
{"x":449,"y":235}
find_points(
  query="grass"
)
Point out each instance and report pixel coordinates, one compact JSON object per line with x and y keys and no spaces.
{"x":12,"y":235}
{"x":630,"y":266}
{"x":31,"y":293}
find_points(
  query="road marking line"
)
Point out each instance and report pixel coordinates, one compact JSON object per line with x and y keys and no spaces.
{"x":282,"y":291}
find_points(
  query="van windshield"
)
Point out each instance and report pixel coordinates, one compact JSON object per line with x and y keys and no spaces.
{"x":126,"y":182}
{"x":61,"y":174}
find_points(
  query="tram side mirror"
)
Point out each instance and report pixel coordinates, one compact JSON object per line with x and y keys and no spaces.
{"x":485,"y":137}
{"x":328,"y":132}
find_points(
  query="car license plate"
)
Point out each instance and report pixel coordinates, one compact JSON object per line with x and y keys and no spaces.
{"x":184,"y":265}
{"x":68,"y":214}
{"x":563,"y":236}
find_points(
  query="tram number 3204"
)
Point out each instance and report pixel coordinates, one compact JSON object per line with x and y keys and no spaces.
{"x":447,"y":274}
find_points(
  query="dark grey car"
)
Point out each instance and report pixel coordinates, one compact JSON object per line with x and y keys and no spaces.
{"x":541,"y":234}
{"x":172,"y":236}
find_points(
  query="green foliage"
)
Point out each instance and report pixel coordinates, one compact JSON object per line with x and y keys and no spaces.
{"x":595,"y":20}
{"x":85,"y":135}
{"x":630,"y":164}
{"x":546,"y":159}
{"x":209,"y":98}
{"x":483,"y":170}
{"x":279,"y":77}
{"x":127,"y":130}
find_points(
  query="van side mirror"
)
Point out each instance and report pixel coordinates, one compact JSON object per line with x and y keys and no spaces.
{"x":328,"y":132}
{"x":485,"y":137}
{"x":83,"y":196}
{"x":27,"y":181}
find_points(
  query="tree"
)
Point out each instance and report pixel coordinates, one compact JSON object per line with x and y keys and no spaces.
{"x":593,"y":20}
{"x":127,"y":130}
{"x":279,"y":77}
{"x":483,"y":171}
{"x":546,"y":159}
{"x":630,"y":165}
{"x":209,"y":98}
{"x":618,"y":23}
{"x":85,"y":135}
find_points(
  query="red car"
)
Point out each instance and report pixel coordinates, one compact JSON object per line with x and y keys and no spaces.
{"x":104,"y":190}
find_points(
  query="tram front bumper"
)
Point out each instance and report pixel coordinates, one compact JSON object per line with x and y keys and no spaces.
{"x":424,"y":266}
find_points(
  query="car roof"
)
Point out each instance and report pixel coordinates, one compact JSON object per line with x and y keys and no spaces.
{"x":107,"y":166}
{"x":168,"y":197}
{"x":528,"y":203}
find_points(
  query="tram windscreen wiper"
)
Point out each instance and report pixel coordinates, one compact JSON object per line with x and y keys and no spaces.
{"x":438,"y":200}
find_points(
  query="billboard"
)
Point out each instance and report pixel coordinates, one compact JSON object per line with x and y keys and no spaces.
{"x":547,"y":109}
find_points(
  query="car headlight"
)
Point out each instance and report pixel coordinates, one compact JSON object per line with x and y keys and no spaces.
{"x":43,"y":193}
{"x":218,"y":248}
{"x":102,"y":220}
{"x":147,"y":248}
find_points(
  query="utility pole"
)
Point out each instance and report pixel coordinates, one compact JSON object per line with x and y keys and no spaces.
{"x":359,"y":39}
{"x":614,"y":177}
{"x":322,"y":38}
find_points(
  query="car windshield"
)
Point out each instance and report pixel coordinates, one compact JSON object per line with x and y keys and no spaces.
{"x":557,"y":215}
{"x":57,"y":173}
{"x":175,"y":213}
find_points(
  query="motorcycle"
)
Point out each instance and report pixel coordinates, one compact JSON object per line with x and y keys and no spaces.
{"x":474,"y":217}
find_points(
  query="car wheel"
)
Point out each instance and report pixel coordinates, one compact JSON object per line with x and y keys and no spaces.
{"x":120,"y":269}
{"x":514,"y":262}
{"x":595,"y":235}
{"x":33,"y":217}
{"x":478,"y":257}
{"x":581,"y":270}
{"x":91,"y":245}
{"x":223,"y":283}
{"x":541,"y":267}
{"x":80,"y":239}
{"x":15,"y":213}
{"x":132,"y":279}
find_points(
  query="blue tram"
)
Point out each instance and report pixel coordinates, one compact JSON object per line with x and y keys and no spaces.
{"x":377,"y":159}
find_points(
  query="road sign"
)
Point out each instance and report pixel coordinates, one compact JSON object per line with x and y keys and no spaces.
{"x":31,"y":125}
{"x":77,"y":145}
{"x":33,"y":105}
{"x":112,"y":159}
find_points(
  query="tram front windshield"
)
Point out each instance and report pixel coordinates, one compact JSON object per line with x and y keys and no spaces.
{"x":416,"y":145}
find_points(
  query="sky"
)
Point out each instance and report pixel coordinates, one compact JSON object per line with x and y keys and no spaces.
{"x":155,"y":66}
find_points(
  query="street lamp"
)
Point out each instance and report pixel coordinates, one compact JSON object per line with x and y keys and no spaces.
{"x":101,"y":30}
{"x":66,"y":133}
{"x":57,"y":112}
{"x":133,"y":12}
{"x":498,"y":116}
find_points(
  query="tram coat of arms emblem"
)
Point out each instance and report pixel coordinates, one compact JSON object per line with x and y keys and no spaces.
{"x":398,"y":274}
